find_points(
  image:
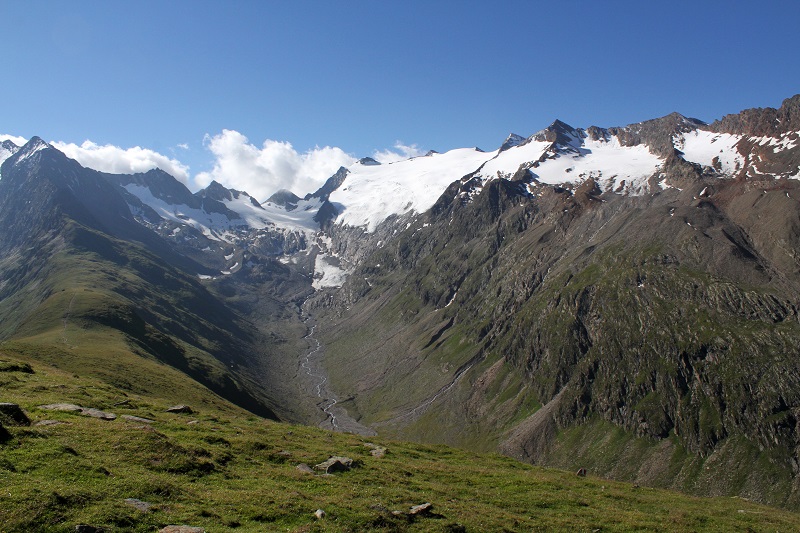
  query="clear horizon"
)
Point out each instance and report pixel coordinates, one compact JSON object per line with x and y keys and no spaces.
{"x":263,"y":97}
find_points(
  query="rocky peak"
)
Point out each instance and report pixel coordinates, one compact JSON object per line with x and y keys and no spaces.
{"x":333,"y":183}
{"x":657,"y":133}
{"x":766,"y":122}
{"x":216,"y":191}
{"x":8,"y":145}
{"x":560,"y":133}
{"x":511,"y":141}
{"x":284,"y":198}
{"x":368,"y":161}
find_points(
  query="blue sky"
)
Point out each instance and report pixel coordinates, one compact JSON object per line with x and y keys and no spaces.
{"x":171,"y":76}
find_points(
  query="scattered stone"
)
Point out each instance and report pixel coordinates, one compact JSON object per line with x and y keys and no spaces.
{"x":68,"y":407}
{"x":181,"y":529}
{"x":284,"y":453}
{"x":581,"y":472}
{"x":97,"y":413}
{"x":72,"y":408}
{"x":50,"y":423}
{"x":138,"y":419}
{"x":320,"y":514}
{"x":185,"y":409}
{"x":139,"y":504}
{"x":192,"y":422}
{"x":375,"y":450}
{"x":86,"y":528}
{"x":304,"y":468}
{"x":335,"y":464}
{"x":13,"y":415}
{"x":123,"y":402}
{"x":423,"y":509}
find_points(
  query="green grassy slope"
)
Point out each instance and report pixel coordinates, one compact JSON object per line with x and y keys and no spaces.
{"x":113,"y":309}
{"x":224,"y":469}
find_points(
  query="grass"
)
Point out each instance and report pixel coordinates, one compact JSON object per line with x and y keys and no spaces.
{"x":224,"y":469}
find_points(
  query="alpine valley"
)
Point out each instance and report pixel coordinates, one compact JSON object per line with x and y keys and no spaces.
{"x":620,"y":299}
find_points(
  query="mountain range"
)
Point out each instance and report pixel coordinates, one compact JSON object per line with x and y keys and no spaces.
{"x":621,"y":299}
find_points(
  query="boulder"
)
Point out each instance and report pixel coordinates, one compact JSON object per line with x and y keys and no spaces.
{"x":12,"y":414}
{"x":375,"y":450}
{"x":335,"y":464}
{"x":421,"y":510}
{"x":185,"y":409}
{"x":319,"y":514}
{"x":181,"y":529}
{"x":304,"y":468}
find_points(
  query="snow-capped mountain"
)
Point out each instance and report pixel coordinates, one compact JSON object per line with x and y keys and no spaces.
{"x":628,"y":160}
{"x":7,"y":149}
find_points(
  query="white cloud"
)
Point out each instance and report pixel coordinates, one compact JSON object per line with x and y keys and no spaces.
{"x":183,"y":146}
{"x":401,"y":152}
{"x":19,"y":141}
{"x":116,"y":160}
{"x":275,"y":165}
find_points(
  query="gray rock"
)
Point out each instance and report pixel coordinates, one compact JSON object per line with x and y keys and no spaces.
{"x":50,"y":423}
{"x":180,"y":409}
{"x":421,"y":510}
{"x":139,"y":504}
{"x":85,"y":411}
{"x":97,"y":413}
{"x":138,"y":419}
{"x":13,"y":415}
{"x":319,"y":514}
{"x":335,"y":464}
{"x":181,"y":529}
{"x":304,"y":468}
{"x":69,"y":407}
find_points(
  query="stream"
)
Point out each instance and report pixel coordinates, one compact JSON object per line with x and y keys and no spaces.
{"x":336,"y":417}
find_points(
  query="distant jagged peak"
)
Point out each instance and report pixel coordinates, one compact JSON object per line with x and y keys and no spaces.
{"x":32,"y":147}
{"x":430,"y":153}
{"x":35,"y":144}
{"x":216,"y":191}
{"x":7,"y":149}
{"x":368,"y":161}
{"x":657,"y":134}
{"x":284,"y":198}
{"x":9,"y":145}
{"x":560,"y":133}
{"x":332,"y":183}
{"x":511,"y":141}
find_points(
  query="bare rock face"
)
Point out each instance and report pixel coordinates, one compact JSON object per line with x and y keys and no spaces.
{"x":762,"y":122}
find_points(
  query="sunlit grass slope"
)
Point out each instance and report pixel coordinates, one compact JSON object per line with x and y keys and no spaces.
{"x":225,"y":469}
